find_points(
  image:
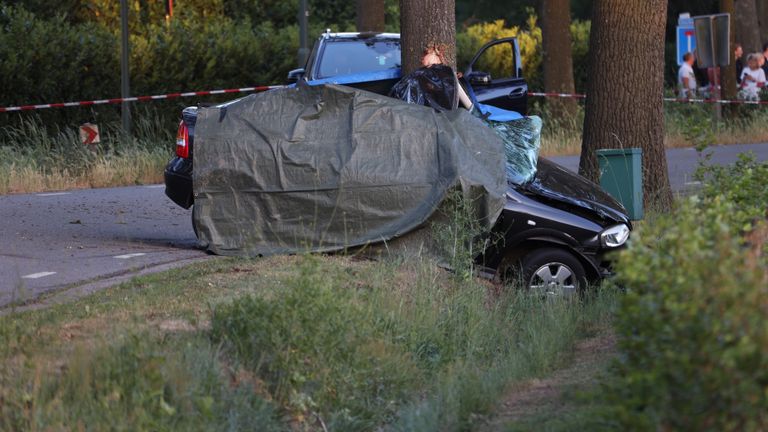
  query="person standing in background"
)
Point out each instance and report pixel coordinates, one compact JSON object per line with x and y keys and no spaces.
{"x":738,"y":52}
{"x":763,"y":57}
{"x":686,"y":79}
{"x":752,"y":78}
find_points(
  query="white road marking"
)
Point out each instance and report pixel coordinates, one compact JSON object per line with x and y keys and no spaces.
{"x":154,"y":186}
{"x":53,"y":194}
{"x":38,"y":275}
{"x":692,"y":183}
{"x":127,"y":256}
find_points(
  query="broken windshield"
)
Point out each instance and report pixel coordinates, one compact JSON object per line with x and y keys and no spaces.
{"x":522,"y":141}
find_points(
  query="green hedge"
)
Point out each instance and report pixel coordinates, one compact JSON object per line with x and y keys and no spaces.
{"x":693,"y":328}
{"x":46,"y":60}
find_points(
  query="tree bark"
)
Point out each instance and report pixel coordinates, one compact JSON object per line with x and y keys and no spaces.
{"x":762,"y":18}
{"x":624,"y":105}
{"x":745,"y":25}
{"x":728,"y":83}
{"x":370,"y":16}
{"x":558,"y":57}
{"x":424,"y":23}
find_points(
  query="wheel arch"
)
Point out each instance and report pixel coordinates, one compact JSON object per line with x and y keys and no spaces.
{"x":530,"y":244}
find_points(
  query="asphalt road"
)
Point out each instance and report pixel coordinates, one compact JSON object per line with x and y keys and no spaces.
{"x":53,"y":241}
{"x":69,"y":243}
{"x":681,"y":163}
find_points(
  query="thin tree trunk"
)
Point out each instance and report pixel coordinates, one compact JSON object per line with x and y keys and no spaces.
{"x":728,"y":75}
{"x":370,"y":16}
{"x":762,"y":18}
{"x":624,"y":93}
{"x":558,"y":57}
{"x":745,"y":25}
{"x":424,"y":23}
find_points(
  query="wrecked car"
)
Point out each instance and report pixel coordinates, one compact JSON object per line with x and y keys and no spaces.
{"x":328,"y":167}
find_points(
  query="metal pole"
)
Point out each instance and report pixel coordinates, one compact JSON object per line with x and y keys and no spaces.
{"x":303,"y":46}
{"x":125,"y":82}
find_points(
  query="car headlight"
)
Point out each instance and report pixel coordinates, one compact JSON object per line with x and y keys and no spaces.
{"x":615,"y":236}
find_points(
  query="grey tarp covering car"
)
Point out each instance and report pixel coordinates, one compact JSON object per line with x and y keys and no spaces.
{"x":328,"y":167}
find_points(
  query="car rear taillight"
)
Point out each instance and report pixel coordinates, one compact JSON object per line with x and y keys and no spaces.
{"x":182,"y":141}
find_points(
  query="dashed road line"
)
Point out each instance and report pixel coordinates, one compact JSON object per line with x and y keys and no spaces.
{"x":52,"y":194}
{"x":154,"y":186}
{"x":693,"y":183}
{"x":38,"y":275}
{"x":128,"y":256}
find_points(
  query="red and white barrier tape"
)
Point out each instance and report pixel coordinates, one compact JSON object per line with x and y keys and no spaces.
{"x":666,"y":99}
{"x":265,"y":88}
{"x":558,"y":95}
{"x":137,"y":98}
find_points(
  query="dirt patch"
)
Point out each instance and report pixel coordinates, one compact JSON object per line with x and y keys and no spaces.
{"x":181,"y":326}
{"x":540,"y":396}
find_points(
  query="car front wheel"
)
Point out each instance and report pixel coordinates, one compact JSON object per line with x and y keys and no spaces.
{"x":552,"y":272}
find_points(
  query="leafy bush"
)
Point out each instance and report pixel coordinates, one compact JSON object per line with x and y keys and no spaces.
{"x":693,"y":334}
{"x":743,"y":184}
{"x":470,"y":40}
{"x":45,"y":60}
{"x":59,"y":61}
{"x":499,"y":63}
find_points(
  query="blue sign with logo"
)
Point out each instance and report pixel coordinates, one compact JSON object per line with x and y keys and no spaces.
{"x":686,"y":42}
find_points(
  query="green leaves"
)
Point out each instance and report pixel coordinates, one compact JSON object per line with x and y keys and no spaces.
{"x":692,"y":328}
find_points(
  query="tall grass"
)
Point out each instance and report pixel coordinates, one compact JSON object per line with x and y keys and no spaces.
{"x":36,"y":157}
{"x":685,"y":125}
{"x":135,"y":383}
{"x":388,"y":345}
{"x":423,"y":353}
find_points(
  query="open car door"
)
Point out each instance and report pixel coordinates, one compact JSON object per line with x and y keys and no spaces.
{"x":495,"y":76}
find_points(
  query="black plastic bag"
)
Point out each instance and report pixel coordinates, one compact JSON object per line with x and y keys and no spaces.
{"x":433,"y":86}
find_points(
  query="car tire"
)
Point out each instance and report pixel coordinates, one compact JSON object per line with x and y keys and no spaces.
{"x":550,"y":272}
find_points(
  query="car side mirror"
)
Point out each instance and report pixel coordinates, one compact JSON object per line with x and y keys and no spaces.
{"x":295,"y":75}
{"x":480,"y":78}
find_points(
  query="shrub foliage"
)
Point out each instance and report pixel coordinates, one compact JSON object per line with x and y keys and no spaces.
{"x":693,"y":333}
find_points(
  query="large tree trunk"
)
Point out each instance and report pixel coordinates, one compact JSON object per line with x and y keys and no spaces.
{"x":745,"y":25}
{"x":558,"y":58}
{"x":424,"y":23}
{"x":370,"y":16}
{"x":624,"y":93}
{"x":762,"y":18}
{"x":728,"y":82}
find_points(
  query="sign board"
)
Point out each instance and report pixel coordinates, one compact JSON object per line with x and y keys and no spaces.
{"x":712,"y":39}
{"x":89,"y":134}
{"x":686,"y":42}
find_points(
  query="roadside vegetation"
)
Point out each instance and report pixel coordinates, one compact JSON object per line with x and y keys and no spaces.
{"x":285,"y":343}
{"x":36,"y":157}
{"x":692,"y":350}
{"x":217,"y":45}
{"x":686,"y":125}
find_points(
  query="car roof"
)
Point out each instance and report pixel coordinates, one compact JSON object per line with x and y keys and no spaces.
{"x":358,"y":36}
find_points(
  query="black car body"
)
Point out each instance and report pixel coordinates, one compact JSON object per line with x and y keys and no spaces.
{"x":555,"y":230}
{"x":557,"y":213}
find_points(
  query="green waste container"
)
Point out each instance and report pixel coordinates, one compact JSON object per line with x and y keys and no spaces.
{"x":621,"y":176}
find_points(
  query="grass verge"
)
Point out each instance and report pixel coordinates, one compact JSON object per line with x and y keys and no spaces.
{"x":35,"y":157}
{"x":685,"y":125}
{"x":295,"y":343}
